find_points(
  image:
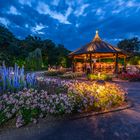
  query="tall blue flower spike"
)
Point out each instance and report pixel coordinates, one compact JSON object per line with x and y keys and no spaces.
{"x":13,"y":79}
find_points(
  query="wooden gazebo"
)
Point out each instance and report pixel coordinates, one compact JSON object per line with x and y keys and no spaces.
{"x":91,"y":54}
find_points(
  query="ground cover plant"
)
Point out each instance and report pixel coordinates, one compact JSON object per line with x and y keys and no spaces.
{"x":71,"y":75}
{"x":63,"y":73}
{"x":99,"y":77}
{"x":130,"y":76}
{"x":57,"y":97}
{"x":54,"y":72}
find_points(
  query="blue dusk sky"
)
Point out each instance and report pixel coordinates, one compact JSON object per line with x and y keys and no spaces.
{"x":72,"y":22}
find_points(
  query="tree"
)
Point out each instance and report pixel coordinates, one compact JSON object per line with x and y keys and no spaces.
{"x":34,"y":60}
{"x":9,"y":50}
{"x":135,"y":60}
{"x":130,"y":45}
{"x":13,"y":50}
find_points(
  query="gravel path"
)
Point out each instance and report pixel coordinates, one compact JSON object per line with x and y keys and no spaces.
{"x":122,"y":125}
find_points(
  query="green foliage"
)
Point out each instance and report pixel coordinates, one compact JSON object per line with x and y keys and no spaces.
{"x":20,"y":62}
{"x":34,"y":60}
{"x":13,"y":50}
{"x":55,"y":72}
{"x":29,"y":114}
{"x":9,"y":50}
{"x":99,"y":77}
{"x":135,"y":60}
{"x":130,"y":45}
{"x":62,"y":61}
{"x":71,"y":75}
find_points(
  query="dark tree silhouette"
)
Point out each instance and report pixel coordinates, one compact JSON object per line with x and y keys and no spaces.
{"x":13,"y":50}
{"x":130,"y":45}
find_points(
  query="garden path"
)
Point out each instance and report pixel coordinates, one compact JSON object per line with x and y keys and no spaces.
{"x":111,"y":126}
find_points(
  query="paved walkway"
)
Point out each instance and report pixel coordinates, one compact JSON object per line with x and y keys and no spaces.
{"x":122,"y":125}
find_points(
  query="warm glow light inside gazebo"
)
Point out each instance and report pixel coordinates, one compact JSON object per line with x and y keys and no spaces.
{"x":98,"y":50}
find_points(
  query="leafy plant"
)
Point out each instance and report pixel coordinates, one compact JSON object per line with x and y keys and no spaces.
{"x":34,"y":60}
{"x":71,"y":75}
{"x":99,"y":77}
{"x":130,"y":76}
{"x":55,"y":72}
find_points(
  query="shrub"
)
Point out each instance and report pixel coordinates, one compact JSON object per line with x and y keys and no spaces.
{"x":131,"y":77}
{"x":99,"y":77}
{"x":135,"y":60}
{"x":34,"y":60}
{"x":55,"y":72}
{"x":71,"y":75}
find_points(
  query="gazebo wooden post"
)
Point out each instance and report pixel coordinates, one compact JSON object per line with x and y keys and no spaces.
{"x":125,"y":63}
{"x":73,"y":65}
{"x":104,"y":49}
{"x":116,"y":64}
{"x":85,"y":66}
{"x":91,"y":62}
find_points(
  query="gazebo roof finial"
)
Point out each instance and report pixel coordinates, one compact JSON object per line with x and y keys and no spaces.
{"x":97,"y":31}
{"x":97,"y":38}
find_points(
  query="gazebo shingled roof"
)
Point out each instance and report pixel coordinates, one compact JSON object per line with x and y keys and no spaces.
{"x":97,"y":49}
{"x":97,"y":46}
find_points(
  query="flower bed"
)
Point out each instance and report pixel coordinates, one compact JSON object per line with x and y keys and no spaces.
{"x":99,"y":77}
{"x":57,"y":98}
{"x":55,"y":72}
{"x":63,"y":74}
{"x":71,"y":75}
{"x":130,"y":77}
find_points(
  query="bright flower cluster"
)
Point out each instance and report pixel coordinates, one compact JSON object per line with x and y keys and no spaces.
{"x":58,"y":97}
{"x":13,"y":79}
{"x":130,"y":76}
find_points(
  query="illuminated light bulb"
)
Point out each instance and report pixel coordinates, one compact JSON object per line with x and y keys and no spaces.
{"x":97,"y":31}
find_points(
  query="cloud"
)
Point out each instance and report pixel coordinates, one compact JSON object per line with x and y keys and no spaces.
{"x":27,"y":25}
{"x":26,"y":2}
{"x":77,"y":25}
{"x":4,"y":21}
{"x":13,"y":11}
{"x":132,"y":4}
{"x":72,"y":22}
{"x":116,"y":11}
{"x":38,"y":29}
{"x":80,"y":11}
{"x":99,"y":11}
{"x":55,"y":2}
{"x":43,"y":8}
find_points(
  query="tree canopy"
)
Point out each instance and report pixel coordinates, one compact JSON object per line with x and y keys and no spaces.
{"x":13,"y":50}
{"x":130,"y":45}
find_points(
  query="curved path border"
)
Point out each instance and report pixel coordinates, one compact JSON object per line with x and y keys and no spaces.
{"x":128,"y":105}
{"x":93,"y":113}
{"x":119,"y":123}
